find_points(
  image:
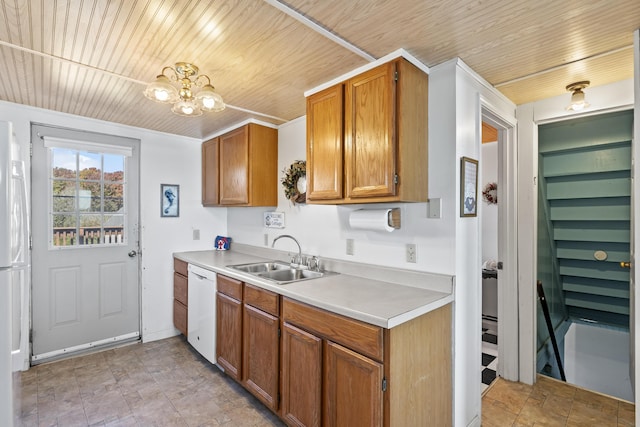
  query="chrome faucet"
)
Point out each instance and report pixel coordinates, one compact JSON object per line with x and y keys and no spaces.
{"x":297,"y":259}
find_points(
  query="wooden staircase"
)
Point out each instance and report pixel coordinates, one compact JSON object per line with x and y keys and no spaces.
{"x":585,"y":167}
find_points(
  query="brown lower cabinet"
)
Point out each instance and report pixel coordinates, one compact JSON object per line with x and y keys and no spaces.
{"x":301,"y":377}
{"x":180,"y":295}
{"x":261,"y":345}
{"x":229,"y":326}
{"x":317,"y":368}
{"x":353,"y":388}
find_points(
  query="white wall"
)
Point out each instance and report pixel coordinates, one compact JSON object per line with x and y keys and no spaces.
{"x":604,"y":98}
{"x":448,"y":245}
{"x":489,"y":173}
{"x":597,"y":359}
{"x":323,"y":229}
{"x":164,"y":158}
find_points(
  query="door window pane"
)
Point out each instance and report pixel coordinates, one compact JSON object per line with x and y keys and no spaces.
{"x":64,"y":196}
{"x":90,"y":165}
{"x":88,"y":206}
{"x":64,"y":163}
{"x":113,"y":197}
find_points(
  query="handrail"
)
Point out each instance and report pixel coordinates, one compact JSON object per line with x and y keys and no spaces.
{"x":552,"y":334}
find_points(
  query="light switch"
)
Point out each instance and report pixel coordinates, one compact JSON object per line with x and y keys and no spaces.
{"x":434,"y":208}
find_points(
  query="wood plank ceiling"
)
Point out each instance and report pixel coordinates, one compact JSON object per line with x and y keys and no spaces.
{"x":92,"y":57}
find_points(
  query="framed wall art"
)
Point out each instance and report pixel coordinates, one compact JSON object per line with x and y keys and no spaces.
{"x":468,"y":187}
{"x":169,"y":200}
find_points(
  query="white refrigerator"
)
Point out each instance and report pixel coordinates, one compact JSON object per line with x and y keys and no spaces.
{"x":14,"y":262}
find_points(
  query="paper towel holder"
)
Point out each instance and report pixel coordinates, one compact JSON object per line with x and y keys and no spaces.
{"x":394,"y":218}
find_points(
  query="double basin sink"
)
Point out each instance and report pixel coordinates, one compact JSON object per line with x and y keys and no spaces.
{"x":279,"y":272}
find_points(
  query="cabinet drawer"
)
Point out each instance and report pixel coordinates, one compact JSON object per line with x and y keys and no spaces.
{"x":180,"y":317}
{"x":230,"y":287}
{"x":180,"y":266}
{"x":262,"y":299}
{"x":180,"y":288}
{"x":359,"y":336}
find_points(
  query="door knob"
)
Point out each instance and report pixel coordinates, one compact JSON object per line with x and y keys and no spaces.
{"x":625,"y":264}
{"x":132,"y":254}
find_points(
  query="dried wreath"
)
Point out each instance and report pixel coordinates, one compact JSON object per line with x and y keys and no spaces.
{"x":490,"y":193}
{"x":294,"y":182}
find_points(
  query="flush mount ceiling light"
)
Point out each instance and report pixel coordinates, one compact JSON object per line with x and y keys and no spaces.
{"x":185,"y":99}
{"x":577,"y":97}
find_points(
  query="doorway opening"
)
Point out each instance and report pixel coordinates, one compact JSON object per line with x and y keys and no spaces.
{"x":499,"y":241}
{"x":584,"y":233}
{"x":489,"y":184}
{"x":85,"y":291}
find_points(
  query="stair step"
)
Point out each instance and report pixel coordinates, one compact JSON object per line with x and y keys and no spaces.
{"x":584,"y":250}
{"x":594,"y":269}
{"x":601,"y":231}
{"x":613,"y":157}
{"x":610,"y":209}
{"x":593,"y":302}
{"x":607,"y":288}
{"x":602,"y":317}
{"x":589,"y":186}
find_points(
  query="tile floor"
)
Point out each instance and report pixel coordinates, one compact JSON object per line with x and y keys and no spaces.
{"x":166,"y":383}
{"x":551,"y":403}
{"x":162,"y":383}
{"x":489,"y":355}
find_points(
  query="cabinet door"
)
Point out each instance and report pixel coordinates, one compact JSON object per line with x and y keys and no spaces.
{"x":353,"y":388}
{"x":370,"y":136}
{"x":325,"y":144}
{"x":180,"y":317}
{"x":260,"y":368}
{"x":301,"y":377}
{"x":210,"y":170}
{"x":229,"y":335}
{"x":234,"y":167}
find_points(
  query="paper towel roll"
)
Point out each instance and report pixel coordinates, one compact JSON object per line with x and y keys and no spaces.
{"x":370,"y":219}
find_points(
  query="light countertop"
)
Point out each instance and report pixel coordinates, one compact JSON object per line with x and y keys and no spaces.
{"x":378,"y":302}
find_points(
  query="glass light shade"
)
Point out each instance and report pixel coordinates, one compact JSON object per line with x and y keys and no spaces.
{"x":209,"y":100}
{"x":186,"y":108}
{"x":578,"y":102}
{"x":162,"y":90}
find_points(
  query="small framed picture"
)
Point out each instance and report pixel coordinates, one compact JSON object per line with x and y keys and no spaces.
{"x":169,"y":200}
{"x":468,"y":187}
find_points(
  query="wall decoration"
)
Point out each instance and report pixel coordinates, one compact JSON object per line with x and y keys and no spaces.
{"x":468,"y":187}
{"x":294,"y":182}
{"x":490,"y":193}
{"x":274,"y":219}
{"x":169,"y":200}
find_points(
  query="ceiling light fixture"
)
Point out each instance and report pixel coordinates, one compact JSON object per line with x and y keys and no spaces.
{"x":186,"y":101}
{"x":578,"y":102}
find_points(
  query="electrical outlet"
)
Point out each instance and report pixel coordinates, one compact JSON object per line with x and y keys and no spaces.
{"x":411,"y":252}
{"x":196,"y":234}
{"x":266,"y":239}
{"x":349,"y":246}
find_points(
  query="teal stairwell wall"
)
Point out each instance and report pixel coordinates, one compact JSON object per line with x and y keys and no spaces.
{"x":584,"y":200}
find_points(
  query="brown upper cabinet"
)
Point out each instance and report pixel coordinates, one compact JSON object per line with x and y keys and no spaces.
{"x":367,"y":138}
{"x":240,"y":168}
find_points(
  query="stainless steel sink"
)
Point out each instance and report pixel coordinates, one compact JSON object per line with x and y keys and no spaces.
{"x":279,"y":272}
{"x":261,"y":267}
{"x":291,"y":275}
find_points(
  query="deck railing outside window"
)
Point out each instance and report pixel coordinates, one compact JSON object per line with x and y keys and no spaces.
{"x":66,"y":236}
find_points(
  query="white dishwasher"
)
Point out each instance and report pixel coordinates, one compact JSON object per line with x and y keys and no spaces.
{"x":201,"y":329}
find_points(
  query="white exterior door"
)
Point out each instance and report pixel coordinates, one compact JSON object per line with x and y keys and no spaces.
{"x":85,"y":268}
